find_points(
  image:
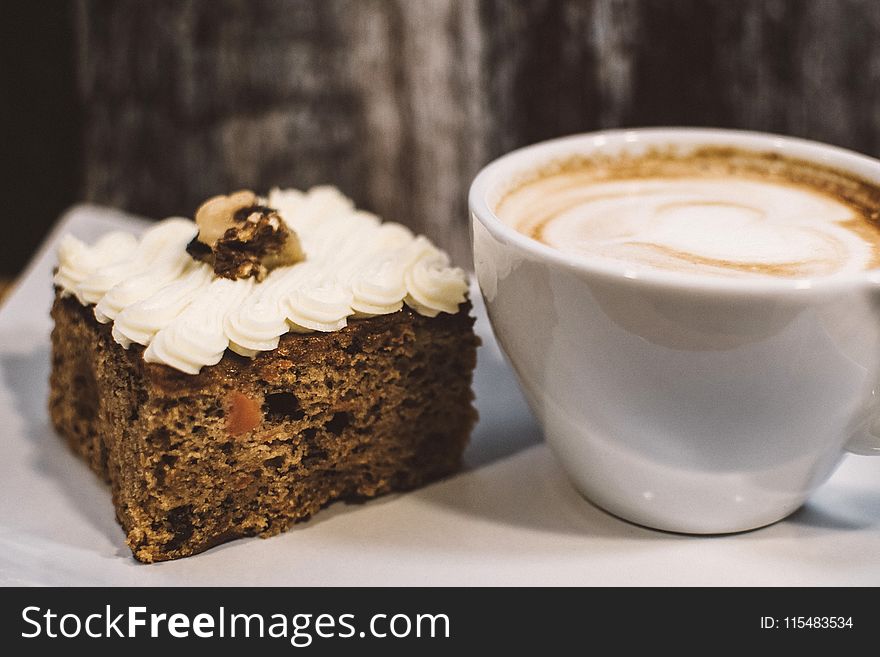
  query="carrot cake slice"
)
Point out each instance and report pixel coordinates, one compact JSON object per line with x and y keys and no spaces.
{"x":231,"y":375}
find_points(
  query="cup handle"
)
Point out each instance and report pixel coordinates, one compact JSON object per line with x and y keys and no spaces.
{"x":866,"y":441}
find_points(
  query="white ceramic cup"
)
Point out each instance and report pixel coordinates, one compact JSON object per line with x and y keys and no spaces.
{"x":678,"y":401}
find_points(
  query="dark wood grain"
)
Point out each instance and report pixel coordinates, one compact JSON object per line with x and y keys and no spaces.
{"x":399,"y":102}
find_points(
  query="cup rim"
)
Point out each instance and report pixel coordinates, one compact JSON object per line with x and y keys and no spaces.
{"x":517,"y":160}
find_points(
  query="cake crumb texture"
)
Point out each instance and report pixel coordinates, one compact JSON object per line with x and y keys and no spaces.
{"x":248,"y":447}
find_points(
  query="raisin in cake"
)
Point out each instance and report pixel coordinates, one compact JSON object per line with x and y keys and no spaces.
{"x":233,"y":375}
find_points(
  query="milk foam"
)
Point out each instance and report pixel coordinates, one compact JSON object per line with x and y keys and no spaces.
{"x":727,"y":226}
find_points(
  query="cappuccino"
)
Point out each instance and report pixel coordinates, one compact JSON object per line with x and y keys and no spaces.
{"x":716,"y":211}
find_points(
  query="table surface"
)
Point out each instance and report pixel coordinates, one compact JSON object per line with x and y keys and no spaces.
{"x":510,"y":517}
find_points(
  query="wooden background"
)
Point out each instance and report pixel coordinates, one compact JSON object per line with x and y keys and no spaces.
{"x":158,"y":105}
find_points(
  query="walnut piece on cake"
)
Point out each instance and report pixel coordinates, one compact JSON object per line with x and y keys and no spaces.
{"x":240,"y":238}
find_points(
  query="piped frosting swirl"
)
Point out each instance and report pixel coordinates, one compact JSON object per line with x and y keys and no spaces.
{"x":355,"y":266}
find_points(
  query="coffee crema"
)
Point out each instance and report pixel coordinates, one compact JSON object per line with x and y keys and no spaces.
{"x":716,"y":211}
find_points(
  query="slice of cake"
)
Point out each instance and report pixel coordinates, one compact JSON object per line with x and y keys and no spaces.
{"x":233,"y":375}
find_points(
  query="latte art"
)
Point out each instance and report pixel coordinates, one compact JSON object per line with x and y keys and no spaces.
{"x":725,"y":225}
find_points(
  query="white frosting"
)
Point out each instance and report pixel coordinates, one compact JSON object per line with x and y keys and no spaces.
{"x":159,"y":260}
{"x":723,"y":226}
{"x":156,"y":295}
{"x":196,"y":337}
{"x":140,"y":321}
{"x":156,"y":252}
{"x":77,"y":261}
